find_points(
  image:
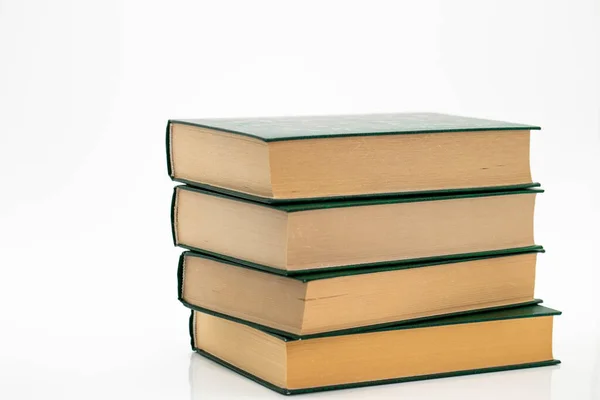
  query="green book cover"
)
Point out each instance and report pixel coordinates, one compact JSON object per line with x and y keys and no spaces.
{"x":527,"y":311}
{"x":272,"y":129}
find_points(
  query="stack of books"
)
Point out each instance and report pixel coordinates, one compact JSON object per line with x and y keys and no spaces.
{"x":340,"y":251}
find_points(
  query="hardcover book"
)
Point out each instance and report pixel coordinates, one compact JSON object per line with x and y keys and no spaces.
{"x":208,"y":380}
{"x":305,"y":305}
{"x":306,"y":158}
{"x":295,"y":238}
{"x":467,"y":344}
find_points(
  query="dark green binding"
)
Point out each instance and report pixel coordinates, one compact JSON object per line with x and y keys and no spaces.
{"x":173,"y":233}
{"x":168,"y":147}
{"x":180,"y":272}
{"x":191,"y":329}
{"x":383,"y":264}
{"x":343,"y":271}
{"x":285,"y":391}
{"x":359,"y":197}
{"x":371,"y":201}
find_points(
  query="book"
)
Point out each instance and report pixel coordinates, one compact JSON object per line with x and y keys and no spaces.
{"x":467,"y":344}
{"x":283,"y":159}
{"x":300,"y":237}
{"x":304,"y":306}
{"x":208,"y":379}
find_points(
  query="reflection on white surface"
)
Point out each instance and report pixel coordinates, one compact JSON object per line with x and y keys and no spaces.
{"x":596,"y":371}
{"x":208,"y":378}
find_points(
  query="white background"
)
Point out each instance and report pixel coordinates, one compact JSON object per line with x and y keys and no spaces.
{"x":88,"y":305}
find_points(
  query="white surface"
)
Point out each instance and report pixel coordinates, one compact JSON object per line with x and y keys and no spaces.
{"x":88,"y":303}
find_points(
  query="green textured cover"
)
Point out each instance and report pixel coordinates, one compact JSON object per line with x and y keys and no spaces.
{"x":311,"y":127}
{"x":530,"y":311}
{"x":298,"y":207}
{"x":271,"y":129}
{"x":333,"y":274}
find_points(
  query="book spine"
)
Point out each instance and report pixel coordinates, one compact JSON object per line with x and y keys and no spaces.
{"x":180,"y":277}
{"x":168,"y":147}
{"x":173,"y":212}
{"x":191,"y":330}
